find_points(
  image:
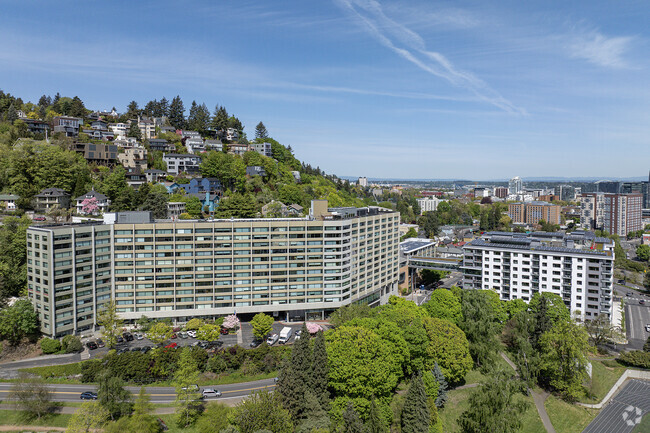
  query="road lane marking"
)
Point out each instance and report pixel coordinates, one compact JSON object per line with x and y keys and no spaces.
{"x":164,"y":395}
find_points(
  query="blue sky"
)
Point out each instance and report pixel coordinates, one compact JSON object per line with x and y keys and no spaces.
{"x":431,"y":89}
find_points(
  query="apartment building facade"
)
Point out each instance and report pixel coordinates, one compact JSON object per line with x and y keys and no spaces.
{"x":428,"y":204}
{"x":578,"y":267}
{"x":618,"y":214}
{"x":291,"y":268}
{"x":534,"y":212}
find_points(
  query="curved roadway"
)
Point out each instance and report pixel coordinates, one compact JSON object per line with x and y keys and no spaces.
{"x":158,"y":394}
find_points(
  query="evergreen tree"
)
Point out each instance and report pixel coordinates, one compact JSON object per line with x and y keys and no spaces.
{"x":56,"y":102}
{"x":315,"y":417}
{"x":185,"y":379}
{"x":12,"y":114}
{"x":163,"y":108}
{"x":77,"y":108}
{"x":150,"y":108}
{"x":375,"y":422}
{"x":260,"y":131}
{"x":113,"y":396}
{"x":351,"y":421}
{"x":199,"y":118}
{"x":320,"y":370}
{"x":294,"y":378}
{"x":134,"y":131}
{"x":443,"y":387}
{"x":177,"y":113}
{"x":142,"y":421}
{"x":415,"y":414}
{"x":220,"y":119}
{"x":132,"y":110}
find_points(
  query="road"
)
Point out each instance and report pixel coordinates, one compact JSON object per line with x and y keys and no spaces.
{"x":637,"y":316}
{"x":69,"y":393}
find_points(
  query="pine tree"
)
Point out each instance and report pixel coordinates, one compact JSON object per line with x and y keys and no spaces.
{"x":260,"y":131}
{"x":134,"y":131}
{"x":351,"y":421}
{"x":441,"y":399}
{"x":320,"y":370}
{"x":294,"y":378}
{"x":415,"y":414}
{"x":77,"y":108}
{"x":132,"y":110}
{"x":12,"y":114}
{"x":163,"y":108}
{"x":177,"y":113}
{"x":220,"y":119}
{"x":375,"y":422}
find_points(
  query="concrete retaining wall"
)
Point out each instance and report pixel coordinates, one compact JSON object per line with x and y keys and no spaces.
{"x":628,"y":374}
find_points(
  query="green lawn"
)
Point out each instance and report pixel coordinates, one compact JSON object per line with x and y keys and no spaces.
{"x":11,"y":417}
{"x":458,"y":402}
{"x":566,"y":417}
{"x":475,"y":376}
{"x":602,"y":380}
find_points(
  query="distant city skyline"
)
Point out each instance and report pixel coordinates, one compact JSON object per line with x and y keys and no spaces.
{"x":382,"y":89}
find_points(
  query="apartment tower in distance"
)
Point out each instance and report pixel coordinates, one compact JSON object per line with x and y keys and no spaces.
{"x":515,"y":185}
{"x":291,"y":268}
{"x":534,"y":212}
{"x":618,"y":214}
{"x":577,"y":266}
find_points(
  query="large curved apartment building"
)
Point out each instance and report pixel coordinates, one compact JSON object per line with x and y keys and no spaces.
{"x":292,"y":268}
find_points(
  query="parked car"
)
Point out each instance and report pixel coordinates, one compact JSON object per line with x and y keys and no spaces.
{"x":642,"y":301}
{"x":297,"y":333}
{"x":91,"y":345}
{"x":136,"y":349}
{"x":191,"y":334}
{"x":224,"y":331}
{"x":127,"y":336}
{"x":40,"y":218}
{"x":255,"y":343}
{"x":100,"y":343}
{"x":88,"y":395}
{"x":145,"y":349}
{"x":182,"y":334}
{"x":628,"y":294}
{"x":173,"y":336}
{"x":203,"y":344}
{"x":216,"y":343}
{"x":171,"y":346}
{"x":139,"y":336}
{"x":273,"y":338}
{"x":211,"y":393}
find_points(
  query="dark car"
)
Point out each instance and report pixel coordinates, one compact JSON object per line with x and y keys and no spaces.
{"x":642,"y":301}
{"x":120,"y":339}
{"x":216,"y":343}
{"x":128,"y":336}
{"x":225,"y":331}
{"x":255,"y":343}
{"x":136,"y":349}
{"x":91,"y":345}
{"x":203,"y":344}
{"x":174,"y":336}
{"x":145,"y":349}
{"x":100,"y":343}
{"x":88,"y":395}
{"x":628,"y":294}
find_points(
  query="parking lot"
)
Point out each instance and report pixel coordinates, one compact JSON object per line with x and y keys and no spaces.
{"x":243,"y":337}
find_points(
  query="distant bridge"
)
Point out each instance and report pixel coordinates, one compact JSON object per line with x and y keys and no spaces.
{"x":435,"y":263}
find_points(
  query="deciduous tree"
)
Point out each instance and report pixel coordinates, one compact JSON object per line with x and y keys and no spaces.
{"x":159,"y":333}
{"x":262,"y":325}
{"x":91,"y":416}
{"x":110,"y":322}
{"x":448,"y":347}
{"x":187,"y":395}
{"x":262,"y":411}
{"x":444,"y":305}
{"x":112,"y":395}
{"x":18,"y":321}
{"x":31,"y":395}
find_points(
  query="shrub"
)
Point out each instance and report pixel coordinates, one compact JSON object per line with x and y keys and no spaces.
{"x":63,"y":370}
{"x":217,"y":364}
{"x":636,"y":358}
{"x":90,"y":370}
{"x":49,"y":345}
{"x":71,"y":344}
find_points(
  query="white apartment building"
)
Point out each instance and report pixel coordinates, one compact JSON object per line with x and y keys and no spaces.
{"x":362,"y":182}
{"x":291,"y":268}
{"x":428,"y":204}
{"x":178,"y":163}
{"x":515,"y":185}
{"x":578,"y":267}
{"x":119,"y":129}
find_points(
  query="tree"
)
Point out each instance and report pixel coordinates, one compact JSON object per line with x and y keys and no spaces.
{"x":77,"y":108}
{"x":142,"y":420}
{"x":262,"y":411}
{"x":159,"y":333}
{"x":351,"y":421}
{"x":156,"y":202}
{"x":237,"y":206}
{"x":220,"y":119}
{"x":480,"y":325}
{"x":415,"y":414}
{"x":231,"y":322}
{"x":262,"y":325}
{"x":547,"y":309}
{"x":199,"y":118}
{"x":185,"y":379}
{"x":31,"y":395}
{"x":441,"y":398}
{"x":132,"y":110}
{"x":319,"y":370}
{"x":71,"y":344}
{"x":13,"y":259}
{"x":600,"y":330}
{"x":89,"y":206}
{"x":134,"y":131}
{"x":643,"y":252}
{"x":208,"y":332}
{"x":448,"y":347}
{"x":18,"y":321}
{"x":493,"y":407}
{"x":214,"y":419}
{"x":411,"y":233}
{"x":112,"y":395}
{"x":376,"y":422}
{"x":91,"y":416}
{"x":260,"y":131}
{"x":177,"y":113}
{"x":110,"y":323}
{"x":444,"y":305}
{"x":294,"y":377}
{"x":349,"y":312}
{"x":564,"y":360}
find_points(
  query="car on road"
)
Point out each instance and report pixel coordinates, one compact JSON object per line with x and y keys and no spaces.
{"x":192,"y":388}
{"x":191,"y":334}
{"x":628,"y":294}
{"x":91,"y":345}
{"x":210,"y":393}
{"x":255,"y":343}
{"x":642,"y":301}
{"x":647,"y":327}
{"x":273,"y":338}
{"x":100,"y":343}
{"x":275,"y":379}
{"x":88,"y":395}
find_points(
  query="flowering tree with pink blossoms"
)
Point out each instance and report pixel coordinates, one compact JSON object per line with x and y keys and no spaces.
{"x":313,"y":328}
{"x":89,"y":206}
{"x":231,"y":322}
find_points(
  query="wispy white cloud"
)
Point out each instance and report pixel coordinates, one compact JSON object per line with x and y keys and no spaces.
{"x":411,"y":46}
{"x":599,"y":49}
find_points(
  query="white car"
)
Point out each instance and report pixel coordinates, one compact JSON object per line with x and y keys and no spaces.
{"x":273,"y":338}
{"x":647,"y":327}
{"x":139,"y":336}
{"x":191,"y":334}
{"x":211,"y":393}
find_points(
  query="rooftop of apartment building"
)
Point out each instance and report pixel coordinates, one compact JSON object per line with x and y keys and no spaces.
{"x":577,"y":242}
